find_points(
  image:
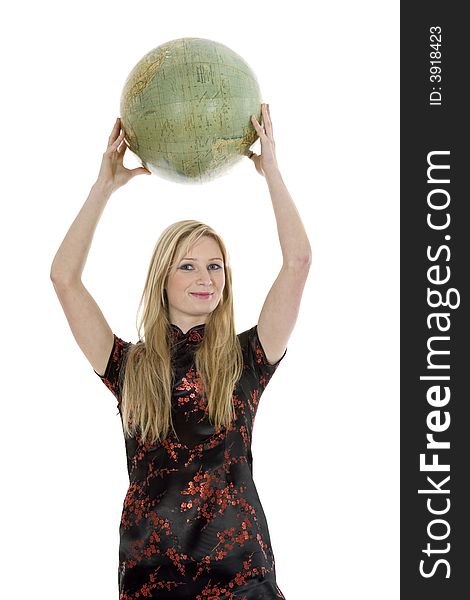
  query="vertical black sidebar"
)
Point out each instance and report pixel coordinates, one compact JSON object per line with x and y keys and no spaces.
{"x":435,"y":257}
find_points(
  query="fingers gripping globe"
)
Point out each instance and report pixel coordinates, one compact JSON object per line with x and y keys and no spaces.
{"x":186,"y":107}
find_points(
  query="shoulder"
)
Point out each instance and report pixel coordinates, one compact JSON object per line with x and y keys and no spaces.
{"x":252,"y":348}
{"x":119,"y":351}
{"x":116,"y":360}
{"x":245,"y":336}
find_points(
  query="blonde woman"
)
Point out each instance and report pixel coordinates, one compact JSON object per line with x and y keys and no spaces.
{"x":192,"y":524}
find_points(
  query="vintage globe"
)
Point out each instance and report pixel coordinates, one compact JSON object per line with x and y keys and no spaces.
{"x":186,"y":108}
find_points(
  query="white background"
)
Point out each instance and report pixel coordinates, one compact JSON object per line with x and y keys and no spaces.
{"x":326,"y":436}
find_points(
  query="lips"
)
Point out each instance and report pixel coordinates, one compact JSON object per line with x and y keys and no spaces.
{"x":203,"y":295}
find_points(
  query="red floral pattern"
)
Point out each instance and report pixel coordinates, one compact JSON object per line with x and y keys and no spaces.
{"x":192,"y":524}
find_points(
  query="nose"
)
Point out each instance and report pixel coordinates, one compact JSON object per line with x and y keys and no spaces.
{"x":205,"y":277}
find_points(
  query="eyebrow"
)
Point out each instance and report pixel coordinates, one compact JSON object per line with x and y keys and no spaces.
{"x":196,"y":259}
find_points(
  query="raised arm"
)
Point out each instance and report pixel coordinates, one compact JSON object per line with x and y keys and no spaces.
{"x":89,"y":327}
{"x":281,"y":307}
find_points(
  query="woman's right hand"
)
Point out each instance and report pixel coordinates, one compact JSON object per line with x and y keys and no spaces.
{"x":113,"y":174}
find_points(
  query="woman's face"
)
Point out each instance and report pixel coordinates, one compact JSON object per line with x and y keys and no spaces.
{"x":195,"y":284}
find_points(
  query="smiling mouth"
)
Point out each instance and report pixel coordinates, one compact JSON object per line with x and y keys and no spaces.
{"x":202,"y":294}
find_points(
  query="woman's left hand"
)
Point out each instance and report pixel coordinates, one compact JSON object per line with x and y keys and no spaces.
{"x":266,"y":161}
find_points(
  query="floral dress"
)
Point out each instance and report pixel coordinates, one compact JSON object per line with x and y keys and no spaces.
{"x":192,"y":524}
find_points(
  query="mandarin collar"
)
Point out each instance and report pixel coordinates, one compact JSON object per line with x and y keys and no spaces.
{"x":194,"y":334}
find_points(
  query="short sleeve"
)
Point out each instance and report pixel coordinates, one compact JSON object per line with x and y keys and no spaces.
{"x":114,"y":374}
{"x":255,"y":359}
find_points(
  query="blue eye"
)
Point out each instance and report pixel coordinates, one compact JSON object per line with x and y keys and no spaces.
{"x":190,"y":267}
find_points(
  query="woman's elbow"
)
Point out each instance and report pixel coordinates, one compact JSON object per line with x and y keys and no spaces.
{"x":300,"y":262}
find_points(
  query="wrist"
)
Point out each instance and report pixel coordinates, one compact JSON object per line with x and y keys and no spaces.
{"x":103,"y":188}
{"x":272,"y":173}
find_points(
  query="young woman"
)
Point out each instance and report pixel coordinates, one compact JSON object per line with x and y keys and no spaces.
{"x":192,"y":524}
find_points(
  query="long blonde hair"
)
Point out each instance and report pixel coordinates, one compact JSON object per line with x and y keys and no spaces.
{"x":148,"y":378}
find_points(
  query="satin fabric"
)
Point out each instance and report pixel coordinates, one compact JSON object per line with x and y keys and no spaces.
{"x":192,"y":524}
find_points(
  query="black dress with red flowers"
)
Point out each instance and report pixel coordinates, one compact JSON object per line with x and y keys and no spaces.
{"x":192,"y":524}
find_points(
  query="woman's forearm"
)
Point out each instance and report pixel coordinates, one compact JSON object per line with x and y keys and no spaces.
{"x":70,"y":259}
{"x":293,"y":239}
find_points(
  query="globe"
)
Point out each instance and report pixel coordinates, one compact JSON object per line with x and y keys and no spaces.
{"x":186,"y":107}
